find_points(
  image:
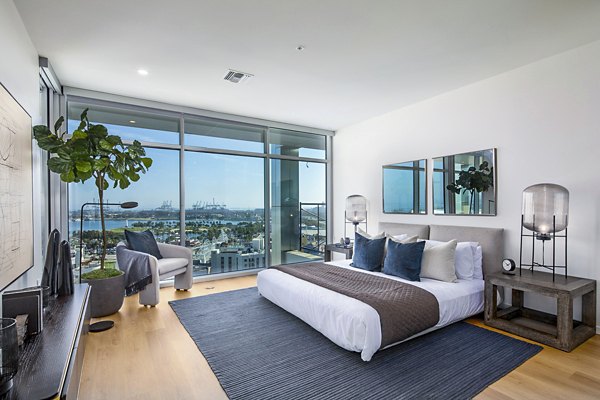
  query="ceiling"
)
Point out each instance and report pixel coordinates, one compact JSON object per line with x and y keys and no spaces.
{"x":361,"y":58}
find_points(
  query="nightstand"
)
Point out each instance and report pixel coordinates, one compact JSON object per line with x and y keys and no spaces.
{"x":334,"y":248}
{"x":559,"y":331}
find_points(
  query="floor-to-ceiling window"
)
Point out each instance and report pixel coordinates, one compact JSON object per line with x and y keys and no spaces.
{"x":157,"y":192}
{"x":241,"y":196}
{"x":298,"y":196}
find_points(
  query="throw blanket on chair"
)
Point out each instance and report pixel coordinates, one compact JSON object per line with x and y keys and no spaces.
{"x":404,"y":310}
{"x":136,"y":267}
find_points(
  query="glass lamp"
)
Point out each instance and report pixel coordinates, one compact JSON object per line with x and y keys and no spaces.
{"x":356,"y":209}
{"x":9,"y":349}
{"x":545,"y":209}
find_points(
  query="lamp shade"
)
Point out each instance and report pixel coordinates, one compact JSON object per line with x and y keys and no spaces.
{"x":545,"y":208}
{"x":356,"y":208}
{"x":129,"y":204}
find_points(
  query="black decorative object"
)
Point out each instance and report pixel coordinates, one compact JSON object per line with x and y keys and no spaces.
{"x":9,"y":362}
{"x":50,"y":274}
{"x":508,"y":266}
{"x":65,"y":270}
{"x":45,"y":293}
{"x":101,"y":326}
{"x":545,"y":213}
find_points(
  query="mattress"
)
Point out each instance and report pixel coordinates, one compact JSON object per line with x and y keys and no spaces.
{"x":352,"y":324}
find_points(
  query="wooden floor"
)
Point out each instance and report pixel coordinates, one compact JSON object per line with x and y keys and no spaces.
{"x":149,"y":355}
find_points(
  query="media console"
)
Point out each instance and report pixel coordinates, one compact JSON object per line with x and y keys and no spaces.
{"x":50,"y":363}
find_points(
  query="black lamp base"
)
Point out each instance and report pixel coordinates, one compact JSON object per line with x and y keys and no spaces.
{"x":101,"y":326}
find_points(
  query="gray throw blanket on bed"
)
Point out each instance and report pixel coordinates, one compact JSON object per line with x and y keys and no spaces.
{"x":136,"y":267}
{"x":404,"y":310}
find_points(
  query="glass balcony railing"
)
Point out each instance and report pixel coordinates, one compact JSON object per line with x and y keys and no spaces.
{"x":313,"y":228}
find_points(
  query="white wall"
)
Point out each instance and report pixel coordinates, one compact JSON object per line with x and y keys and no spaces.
{"x":544,"y":119}
{"x":19,"y":73}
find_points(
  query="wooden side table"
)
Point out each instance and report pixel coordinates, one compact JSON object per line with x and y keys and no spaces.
{"x":559,"y":331}
{"x":334,"y":248}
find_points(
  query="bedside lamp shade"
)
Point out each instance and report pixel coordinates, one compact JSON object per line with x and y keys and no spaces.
{"x":356,"y":209}
{"x":545,"y":208}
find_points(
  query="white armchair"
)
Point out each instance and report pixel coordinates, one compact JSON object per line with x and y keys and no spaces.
{"x":176,"y":262}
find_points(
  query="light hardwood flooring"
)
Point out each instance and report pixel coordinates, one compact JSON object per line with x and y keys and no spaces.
{"x":149,"y":355}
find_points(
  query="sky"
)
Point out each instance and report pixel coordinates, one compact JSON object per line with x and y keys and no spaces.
{"x":236,"y":181}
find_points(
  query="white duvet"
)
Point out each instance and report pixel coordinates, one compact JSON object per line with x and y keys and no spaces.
{"x":352,"y":324}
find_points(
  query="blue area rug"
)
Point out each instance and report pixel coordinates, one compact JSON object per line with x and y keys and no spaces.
{"x":259,"y":351}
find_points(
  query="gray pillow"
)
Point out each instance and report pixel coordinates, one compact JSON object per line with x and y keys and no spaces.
{"x":438,"y":262}
{"x":143,"y":242}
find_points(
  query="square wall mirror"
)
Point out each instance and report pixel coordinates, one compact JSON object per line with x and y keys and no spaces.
{"x":405,"y":188}
{"x":465,"y":184}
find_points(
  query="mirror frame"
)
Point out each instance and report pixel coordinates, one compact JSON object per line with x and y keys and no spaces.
{"x":426,"y":168}
{"x":495,"y":175}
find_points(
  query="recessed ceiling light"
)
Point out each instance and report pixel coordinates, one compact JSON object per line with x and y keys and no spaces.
{"x":132,"y":122}
{"x":142,"y":72}
{"x":300,"y":47}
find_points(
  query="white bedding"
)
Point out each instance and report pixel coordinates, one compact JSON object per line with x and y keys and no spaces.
{"x":352,"y":324}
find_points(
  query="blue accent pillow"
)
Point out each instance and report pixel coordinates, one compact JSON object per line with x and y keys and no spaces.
{"x":404,"y":260}
{"x":143,"y":242}
{"x":368,"y":253}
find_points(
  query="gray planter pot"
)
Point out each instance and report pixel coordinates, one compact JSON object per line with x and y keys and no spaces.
{"x":107,"y":295}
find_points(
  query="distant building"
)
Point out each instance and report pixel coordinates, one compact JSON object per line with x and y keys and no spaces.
{"x":231,"y":259}
{"x":258,"y":243}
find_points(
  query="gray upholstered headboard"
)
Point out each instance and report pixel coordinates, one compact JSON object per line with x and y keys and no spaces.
{"x":392,"y":228}
{"x":491,"y":239}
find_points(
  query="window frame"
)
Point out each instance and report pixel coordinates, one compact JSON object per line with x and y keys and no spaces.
{"x":182,"y":113}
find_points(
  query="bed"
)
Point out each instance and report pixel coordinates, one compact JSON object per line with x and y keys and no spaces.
{"x":356,"y":326}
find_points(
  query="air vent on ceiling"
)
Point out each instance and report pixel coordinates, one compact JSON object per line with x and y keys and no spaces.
{"x":236,"y":76}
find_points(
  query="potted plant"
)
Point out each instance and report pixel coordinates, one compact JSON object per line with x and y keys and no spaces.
{"x":473,"y":180}
{"x":92,"y":153}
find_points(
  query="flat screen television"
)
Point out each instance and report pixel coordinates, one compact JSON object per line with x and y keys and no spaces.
{"x":16,"y":190}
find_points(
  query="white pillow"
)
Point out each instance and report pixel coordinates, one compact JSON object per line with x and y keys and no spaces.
{"x":366,"y":235}
{"x":464,"y":262}
{"x":438,"y":261}
{"x":398,"y":237}
{"x":477,"y":261}
{"x":403,"y":238}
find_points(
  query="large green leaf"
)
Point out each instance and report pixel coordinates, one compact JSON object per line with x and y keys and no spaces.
{"x":147,"y":161}
{"x":40,"y":131}
{"x":101,"y":163}
{"x":105,"y":145}
{"x":84,"y":175}
{"x":58,"y":124}
{"x":83,"y":166}
{"x":59,"y":165}
{"x":68,"y":176}
{"x":123,"y":183}
{"x":98,"y":130}
{"x":64,"y":152}
{"x":114,"y":140}
{"x":79,"y":134}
